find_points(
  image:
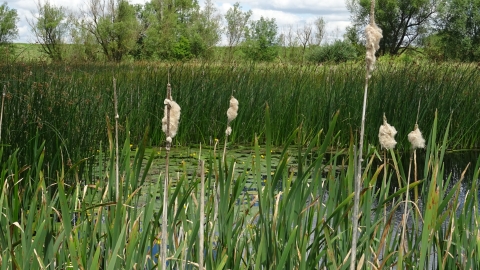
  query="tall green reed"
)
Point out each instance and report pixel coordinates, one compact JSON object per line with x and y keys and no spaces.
{"x":68,"y":102}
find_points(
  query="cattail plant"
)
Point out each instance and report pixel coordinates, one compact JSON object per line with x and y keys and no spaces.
{"x":373,"y":35}
{"x":170,"y":122}
{"x":386,"y":137}
{"x":417,"y":141}
{"x":232,"y":113}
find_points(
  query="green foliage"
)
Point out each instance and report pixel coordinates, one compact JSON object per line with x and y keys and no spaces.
{"x":339,"y":51}
{"x":402,"y":22}
{"x":181,"y":49}
{"x":459,"y":31}
{"x":237,"y":23}
{"x":114,"y":28}
{"x":8,"y":24}
{"x":261,"y":41}
{"x":267,"y":216}
{"x":51,"y":29}
{"x":69,"y":102}
{"x":177,"y":31}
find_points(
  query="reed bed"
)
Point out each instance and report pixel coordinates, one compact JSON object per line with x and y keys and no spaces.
{"x":290,"y":219}
{"x":71,"y":102}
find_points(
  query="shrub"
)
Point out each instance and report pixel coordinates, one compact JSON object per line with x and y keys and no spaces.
{"x":339,"y":51}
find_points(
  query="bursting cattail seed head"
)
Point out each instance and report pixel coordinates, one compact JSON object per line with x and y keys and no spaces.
{"x":386,"y":135}
{"x":228,"y":131}
{"x":373,"y":34}
{"x":174,"y":119}
{"x":232,"y":111}
{"x":416,"y":139}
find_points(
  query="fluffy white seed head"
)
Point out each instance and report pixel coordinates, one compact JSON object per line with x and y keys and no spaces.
{"x":174,"y":118}
{"x":386,"y":135}
{"x":373,"y":34}
{"x":228,"y":131}
{"x":232,"y":111}
{"x":416,"y":139}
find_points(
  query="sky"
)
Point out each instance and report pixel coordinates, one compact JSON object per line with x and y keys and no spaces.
{"x":287,"y":13}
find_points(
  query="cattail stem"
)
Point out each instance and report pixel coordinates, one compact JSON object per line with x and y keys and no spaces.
{"x":404,"y":224}
{"x":358,"y":182}
{"x":117,"y":171}
{"x":384,"y":183}
{"x":1,"y":112}
{"x":415,"y":190}
{"x":165,"y":186}
{"x":215,"y":187}
{"x":201,"y":233}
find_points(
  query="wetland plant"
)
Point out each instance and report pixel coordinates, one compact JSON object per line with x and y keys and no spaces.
{"x":170,"y":122}
{"x":373,"y":35}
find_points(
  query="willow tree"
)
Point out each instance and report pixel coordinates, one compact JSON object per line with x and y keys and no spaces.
{"x":50,"y":28}
{"x":458,"y":24}
{"x":403,"y":22}
{"x":114,"y":26}
{"x":8,"y":24}
{"x":8,"y":30}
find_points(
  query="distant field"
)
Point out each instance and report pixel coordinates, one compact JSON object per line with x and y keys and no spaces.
{"x":33,"y":52}
{"x":28,"y":52}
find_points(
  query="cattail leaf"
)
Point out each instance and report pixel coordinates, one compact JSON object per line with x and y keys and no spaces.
{"x":286,"y":249}
{"x":114,"y":255}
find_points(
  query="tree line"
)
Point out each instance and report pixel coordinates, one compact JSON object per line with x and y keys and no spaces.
{"x":115,"y":30}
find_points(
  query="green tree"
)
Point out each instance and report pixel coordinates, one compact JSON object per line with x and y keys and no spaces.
{"x":85,"y":46}
{"x":319,"y":32}
{"x":205,"y":31}
{"x":402,"y":22}
{"x":50,"y":28}
{"x":237,"y":23}
{"x":8,"y":31}
{"x":458,"y":24}
{"x":8,"y":24}
{"x":171,"y":32}
{"x":114,"y":25}
{"x":261,"y":40}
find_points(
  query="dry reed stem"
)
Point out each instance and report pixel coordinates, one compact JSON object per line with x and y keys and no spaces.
{"x":358,"y":179}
